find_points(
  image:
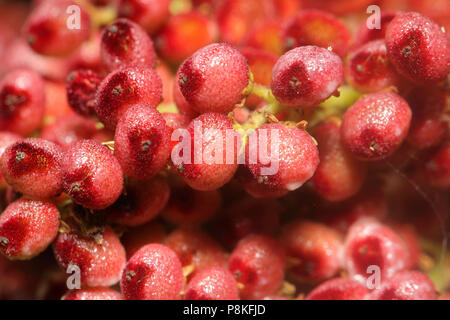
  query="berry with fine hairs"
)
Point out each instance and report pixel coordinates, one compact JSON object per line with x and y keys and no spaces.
{"x":91,"y":175}
{"x":22,"y":101}
{"x":406,"y":285}
{"x":338,"y":176}
{"x":306,"y":76}
{"x":313,"y":249}
{"x":182,"y":105}
{"x":140,"y":202}
{"x":339,"y":289}
{"x":6,"y":139}
{"x":375,"y":126}
{"x":364,"y":34}
{"x":370,"y":243}
{"x":98,"y":293}
{"x":124,"y":88}
{"x":125,"y":43}
{"x":175,"y":121}
{"x":81,"y":86}
{"x":150,"y":14}
{"x":137,"y":237}
{"x":258,"y":263}
{"x":46,"y":29}
{"x":436,"y":167}
{"x":291,"y":152}
{"x":142,"y":142}
{"x":204,"y":167}
{"x":214,"y":79}
{"x":27,"y":227}
{"x":418,"y":48}
{"x":153,"y":273}
{"x":316,"y":28}
{"x":368,"y":68}
{"x":215,"y":283}
{"x":100,"y":259}
{"x":33,"y":167}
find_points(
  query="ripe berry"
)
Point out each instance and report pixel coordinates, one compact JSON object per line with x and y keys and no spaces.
{"x":6,"y":139}
{"x":292,"y":156}
{"x":306,"y":76}
{"x":214,"y":78}
{"x":27,"y":227}
{"x":266,"y":36}
{"x":99,"y":293}
{"x":47,"y":31}
{"x":258,"y":264}
{"x":364,"y":34}
{"x":437,"y":167}
{"x":136,"y":238}
{"x":124,"y":88}
{"x":142,"y":142}
{"x":406,"y":285}
{"x":33,"y":167}
{"x":150,"y":14}
{"x":203,"y":161}
{"x":141,"y":202}
{"x":418,"y":48}
{"x":125,"y":43}
{"x":22,"y":101}
{"x":316,"y":28}
{"x":212,"y":284}
{"x":339,"y":289}
{"x":313,"y":249}
{"x":182,"y":105}
{"x":376,"y":125}
{"x":91,"y":175}
{"x":100,"y":259}
{"x":153,"y":273}
{"x":81,"y":86}
{"x":338,"y":176}
{"x":255,"y":188}
{"x":370,"y":243}
{"x":183,"y":34}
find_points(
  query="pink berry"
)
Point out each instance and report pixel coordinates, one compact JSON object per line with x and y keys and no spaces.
{"x":27,"y":227}
{"x":136,"y":238}
{"x":214,"y":78}
{"x":33,"y":167}
{"x":306,"y":76}
{"x":150,"y":14}
{"x":153,"y":273}
{"x":81,"y":87}
{"x":6,"y":139}
{"x":126,"y":43}
{"x":100,"y":259}
{"x":258,"y":263}
{"x":92,"y":175}
{"x":22,"y":101}
{"x":212,"y":284}
{"x":436,"y":167}
{"x":376,"y":125}
{"x":142,"y":142}
{"x":124,"y":88}
{"x":99,"y":293}
{"x":339,"y":289}
{"x":364,"y":34}
{"x":418,"y":48}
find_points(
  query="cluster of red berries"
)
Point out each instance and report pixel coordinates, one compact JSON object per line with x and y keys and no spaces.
{"x":224,"y":149}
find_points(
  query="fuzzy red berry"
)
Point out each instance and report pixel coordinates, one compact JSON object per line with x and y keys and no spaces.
{"x":255,"y":188}
{"x":137,"y":237}
{"x":153,"y":273}
{"x":364,"y":34}
{"x":150,"y":14}
{"x":81,"y":86}
{"x":214,"y":78}
{"x":306,"y":76}
{"x":175,"y":121}
{"x":182,"y":105}
{"x":99,"y":293}
{"x":27,"y":227}
{"x":339,"y":289}
{"x":6,"y":139}
{"x":212,"y":284}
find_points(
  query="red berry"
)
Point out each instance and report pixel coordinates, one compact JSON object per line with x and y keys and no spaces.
{"x":214,"y":78}
{"x":22,"y":101}
{"x":142,"y":142}
{"x":436,"y":167}
{"x":406,"y":285}
{"x":255,"y":188}
{"x":150,"y":14}
{"x":316,"y":28}
{"x":27,"y":227}
{"x":136,"y":238}
{"x":125,"y":43}
{"x":266,"y":36}
{"x":306,"y":76}
{"x":124,"y":88}
{"x":99,"y":293}
{"x":153,"y":273}
{"x":92,"y":175}
{"x":339,"y":289}
{"x":33,"y":167}
{"x":364,"y":34}
{"x":100,"y":259}
{"x":338,"y":7}
{"x":81,"y":87}
{"x":182,"y":105}
{"x":418,"y":48}
{"x":409,"y":236}
{"x":314,"y":250}
{"x":212,"y":284}
{"x":51,"y":28}
{"x":376,"y":125}
{"x":258,"y":263}
{"x":6,"y":139}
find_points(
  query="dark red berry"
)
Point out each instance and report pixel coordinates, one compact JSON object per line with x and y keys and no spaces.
{"x":436,"y":167}
{"x":6,"y":139}
{"x":150,"y":14}
{"x":136,"y":238}
{"x":81,"y":87}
